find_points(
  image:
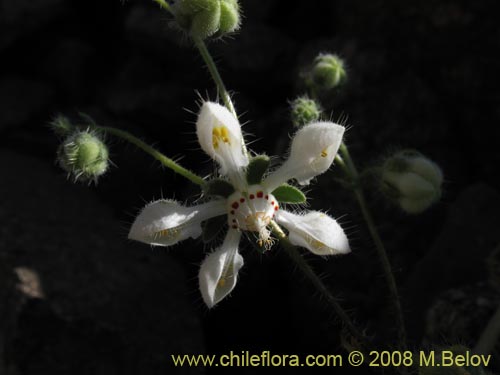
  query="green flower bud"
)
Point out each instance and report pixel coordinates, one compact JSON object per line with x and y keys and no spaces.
{"x":206,"y":18}
{"x":84,"y":156}
{"x":61,"y":126}
{"x":328,"y":72}
{"x":229,"y":17}
{"x":411,"y":180}
{"x":304,"y":111}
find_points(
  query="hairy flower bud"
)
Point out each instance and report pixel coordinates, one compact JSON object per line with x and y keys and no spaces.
{"x":304,"y":111}
{"x":84,"y":156}
{"x":206,"y":18}
{"x":411,"y":180}
{"x":328,"y":72}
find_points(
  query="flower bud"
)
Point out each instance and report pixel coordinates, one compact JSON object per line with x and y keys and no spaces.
{"x":412,"y":181}
{"x":61,"y":125}
{"x":305,"y":111}
{"x":84,"y":156}
{"x":206,"y":18}
{"x":328,"y":72}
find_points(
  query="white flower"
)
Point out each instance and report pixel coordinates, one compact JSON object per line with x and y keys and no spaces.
{"x":313,"y":149}
{"x":251,"y":207}
{"x":315,"y":231}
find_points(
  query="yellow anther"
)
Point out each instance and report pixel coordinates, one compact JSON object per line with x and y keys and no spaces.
{"x":324,"y":153}
{"x":220,"y":134}
{"x":169,"y":234}
{"x":317,"y":244}
{"x":221,"y":283}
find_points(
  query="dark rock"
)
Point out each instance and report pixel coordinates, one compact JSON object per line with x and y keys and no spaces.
{"x":458,"y":255}
{"x":460,"y":315}
{"x":93,"y":301}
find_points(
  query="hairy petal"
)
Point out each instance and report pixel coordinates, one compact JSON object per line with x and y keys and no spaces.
{"x":312,"y":153}
{"x":166,"y":222}
{"x":219,"y":134}
{"x":219,"y":271}
{"x":316,"y":231}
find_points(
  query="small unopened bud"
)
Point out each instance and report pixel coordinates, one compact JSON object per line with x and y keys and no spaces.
{"x":206,"y":18}
{"x":61,"y":126}
{"x":411,"y":180}
{"x":84,"y":156}
{"x":328,"y":72}
{"x":304,"y":111}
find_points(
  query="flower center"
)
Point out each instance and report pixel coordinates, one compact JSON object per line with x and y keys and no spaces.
{"x":252,"y":211}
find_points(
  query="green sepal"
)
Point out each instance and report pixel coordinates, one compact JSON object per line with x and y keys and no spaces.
{"x":257,"y":168}
{"x":219,"y":187}
{"x":288,"y":194}
{"x":212,"y":227}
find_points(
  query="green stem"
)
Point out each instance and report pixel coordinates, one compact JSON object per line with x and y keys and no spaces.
{"x":164,"y":160}
{"x":489,"y":338}
{"x":294,"y":254}
{"x":347,"y":164}
{"x":214,"y":72}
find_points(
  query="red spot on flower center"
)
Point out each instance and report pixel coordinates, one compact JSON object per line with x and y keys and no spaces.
{"x":260,"y":194}
{"x":252,"y":196}
{"x":235,"y":205}
{"x":242,"y":200}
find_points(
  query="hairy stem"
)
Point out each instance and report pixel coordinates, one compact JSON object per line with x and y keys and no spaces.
{"x":294,"y":254}
{"x":347,"y":164}
{"x":214,"y":72}
{"x":164,"y":160}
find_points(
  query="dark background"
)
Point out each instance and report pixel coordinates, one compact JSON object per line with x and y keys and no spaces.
{"x":77,"y":298}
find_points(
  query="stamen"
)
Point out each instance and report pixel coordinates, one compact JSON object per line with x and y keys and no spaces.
{"x":324,"y":153}
{"x":220,"y":134}
{"x":169,"y":234}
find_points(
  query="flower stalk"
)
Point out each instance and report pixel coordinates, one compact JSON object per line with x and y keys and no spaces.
{"x":346,"y":163}
{"x":214,"y":72}
{"x":164,"y":160}
{"x":294,"y":254}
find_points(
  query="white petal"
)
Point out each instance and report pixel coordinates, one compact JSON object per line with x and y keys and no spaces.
{"x":312,"y":152}
{"x":219,"y":271}
{"x":219,"y":134}
{"x":315,"y":231}
{"x":166,"y":222}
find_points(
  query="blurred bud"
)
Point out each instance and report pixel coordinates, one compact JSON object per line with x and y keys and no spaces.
{"x":206,"y":18}
{"x":304,"y":111}
{"x":411,"y":180}
{"x":328,"y":72}
{"x":84,"y":156}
